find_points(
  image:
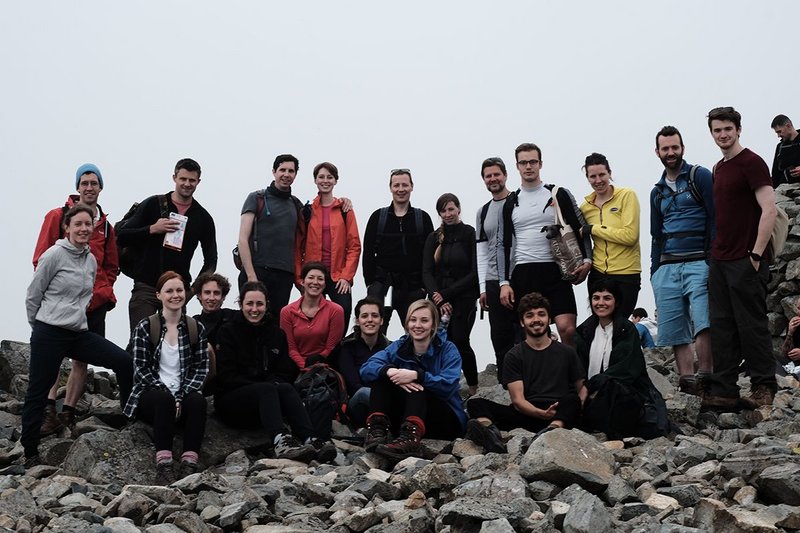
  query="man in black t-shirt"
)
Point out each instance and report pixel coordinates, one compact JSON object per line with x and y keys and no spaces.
{"x":544,"y":378}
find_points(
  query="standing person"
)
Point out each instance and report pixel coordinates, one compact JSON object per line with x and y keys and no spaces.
{"x":152,"y":222}
{"x":544,"y":378}
{"x":682,"y":228}
{"x":525,"y":260}
{"x":612,"y":218}
{"x":645,"y":338}
{"x":354,"y":350}
{"x":331,"y":238}
{"x":622,"y":401}
{"x":313,"y":325}
{"x":254,"y":380}
{"x":393,"y":243}
{"x":786,"y":164}
{"x":450,"y":275}
{"x":56,"y":304}
{"x":501,"y":318}
{"x":89,"y":184}
{"x":168,"y":377}
{"x":415,"y":388}
{"x":745,"y":211}
{"x":271,"y":228}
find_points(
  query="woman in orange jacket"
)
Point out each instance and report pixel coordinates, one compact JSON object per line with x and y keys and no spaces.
{"x":331,"y":239}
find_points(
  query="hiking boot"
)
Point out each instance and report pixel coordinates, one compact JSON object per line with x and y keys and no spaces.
{"x":377,"y":432}
{"x":289,"y":447}
{"x":51,"y":423}
{"x":326,"y":450}
{"x":486,"y":436}
{"x":691,"y":385}
{"x":719,"y":403}
{"x":67,"y":419}
{"x":760,"y":395}
{"x":187,"y":469}
{"x":30,"y":462}
{"x":165,"y":475}
{"x":407,"y":444}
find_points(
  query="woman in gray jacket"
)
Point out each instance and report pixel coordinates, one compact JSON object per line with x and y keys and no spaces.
{"x":56,"y":304}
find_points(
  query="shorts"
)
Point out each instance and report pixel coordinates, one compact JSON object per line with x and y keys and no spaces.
{"x":681,"y":291}
{"x":544,"y":278}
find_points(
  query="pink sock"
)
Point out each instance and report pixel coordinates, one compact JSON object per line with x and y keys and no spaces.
{"x":189,"y":457}
{"x":163,"y":456}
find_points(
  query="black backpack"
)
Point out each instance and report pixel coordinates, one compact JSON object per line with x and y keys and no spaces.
{"x":131,"y":258}
{"x":324,"y":394}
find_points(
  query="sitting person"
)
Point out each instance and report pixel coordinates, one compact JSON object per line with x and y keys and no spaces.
{"x":790,"y":351}
{"x":313,"y":325}
{"x":254,"y":380}
{"x":211,"y":291}
{"x":354,"y":350}
{"x":169,"y":372}
{"x":413,"y":381}
{"x":638,"y":316}
{"x":622,"y":400}
{"x":544,"y":378}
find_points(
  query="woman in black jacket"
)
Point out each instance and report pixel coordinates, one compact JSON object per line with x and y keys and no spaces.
{"x":622,"y":400}
{"x":450,"y":275}
{"x":254,"y":380}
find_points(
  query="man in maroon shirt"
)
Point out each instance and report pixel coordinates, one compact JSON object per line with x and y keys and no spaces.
{"x":745,"y":211}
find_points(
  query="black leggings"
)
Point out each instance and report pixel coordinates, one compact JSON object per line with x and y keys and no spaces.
{"x":157,"y":408}
{"x":267,"y":405}
{"x":458,"y":331}
{"x":389,"y":399}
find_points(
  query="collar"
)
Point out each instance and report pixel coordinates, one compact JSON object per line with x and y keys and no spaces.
{"x":274,"y":191}
{"x":684,"y":171}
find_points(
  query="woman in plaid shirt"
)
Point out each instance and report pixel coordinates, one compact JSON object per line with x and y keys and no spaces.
{"x":168,"y":378}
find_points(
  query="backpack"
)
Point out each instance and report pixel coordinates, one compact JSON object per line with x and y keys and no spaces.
{"x":131,"y":257}
{"x":261,"y":203}
{"x":482,"y":237}
{"x":154,"y":323}
{"x":323,"y":392}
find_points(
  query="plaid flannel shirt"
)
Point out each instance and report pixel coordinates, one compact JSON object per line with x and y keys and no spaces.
{"x":146,"y":362}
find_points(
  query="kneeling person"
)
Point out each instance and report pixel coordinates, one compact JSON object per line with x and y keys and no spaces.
{"x":544,"y":378}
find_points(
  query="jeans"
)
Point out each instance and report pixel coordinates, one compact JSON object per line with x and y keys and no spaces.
{"x":358,"y":407}
{"x":49,"y":346}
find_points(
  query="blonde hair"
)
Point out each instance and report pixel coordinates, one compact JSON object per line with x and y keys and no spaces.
{"x":423,"y":304}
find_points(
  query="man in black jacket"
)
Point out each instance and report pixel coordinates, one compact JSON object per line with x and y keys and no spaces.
{"x":153,"y":228}
{"x":786,"y":164}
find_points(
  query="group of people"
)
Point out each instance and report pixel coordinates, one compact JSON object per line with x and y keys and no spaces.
{"x":709,"y":266}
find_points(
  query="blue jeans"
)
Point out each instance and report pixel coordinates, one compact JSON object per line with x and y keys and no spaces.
{"x":49,"y":346}
{"x":358,"y":407}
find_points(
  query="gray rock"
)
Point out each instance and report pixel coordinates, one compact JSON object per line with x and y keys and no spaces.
{"x":503,"y":487}
{"x":564,"y":457}
{"x":464,"y":513}
{"x":501,"y":525}
{"x":434,"y":476}
{"x":780,"y":483}
{"x":231,"y":515}
{"x":370,"y":487}
{"x":686,"y":495}
{"x":619,"y":491}
{"x":111,"y":456}
{"x":363,"y":519}
{"x":118,"y":524}
{"x":542,"y":490}
{"x":683,"y":407}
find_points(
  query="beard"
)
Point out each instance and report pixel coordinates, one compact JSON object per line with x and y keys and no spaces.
{"x":544,"y":331}
{"x":672,"y":165}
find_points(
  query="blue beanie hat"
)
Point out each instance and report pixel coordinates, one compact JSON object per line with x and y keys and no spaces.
{"x":87,"y":168}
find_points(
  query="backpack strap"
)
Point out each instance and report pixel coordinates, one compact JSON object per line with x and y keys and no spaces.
{"x":383,"y":216}
{"x":482,"y":237}
{"x":693,"y":187}
{"x":154,"y":322}
{"x":194,"y":335}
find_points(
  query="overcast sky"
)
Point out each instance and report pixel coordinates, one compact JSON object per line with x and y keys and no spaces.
{"x":432,"y":86}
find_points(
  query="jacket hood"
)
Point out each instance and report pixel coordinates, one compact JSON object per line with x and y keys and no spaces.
{"x":71,"y":248}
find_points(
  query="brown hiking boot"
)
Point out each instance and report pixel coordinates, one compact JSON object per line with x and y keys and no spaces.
{"x":67,"y":418}
{"x":691,"y":385}
{"x":51,"y":423}
{"x":760,"y":396}
{"x":377,"y":432}
{"x":719,"y":403}
{"x":407,"y":444}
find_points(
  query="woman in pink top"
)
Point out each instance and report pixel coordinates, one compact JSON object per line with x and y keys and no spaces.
{"x":313,"y":325}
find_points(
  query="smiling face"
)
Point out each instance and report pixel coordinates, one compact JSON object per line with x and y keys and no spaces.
{"x":536,"y":322}
{"x":369,"y":319}
{"x":401,"y":187}
{"x":186,"y":182}
{"x":210,"y":297}
{"x":603,"y":305}
{"x":450,"y":214}
{"x":79,"y":230}
{"x":314,"y":283}
{"x":172,"y":295}
{"x":670,"y":151}
{"x":599,"y":178}
{"x":89,"y":188}
{"x":254,"y":306}
{"x":325,"y":181}
{"x":420,"y":325}
{"x":725,"y":133}
{"x":284,"y":175}
{"x":494,"y":179}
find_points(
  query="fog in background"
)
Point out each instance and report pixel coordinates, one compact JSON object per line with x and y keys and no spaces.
{"x":432,"y":86}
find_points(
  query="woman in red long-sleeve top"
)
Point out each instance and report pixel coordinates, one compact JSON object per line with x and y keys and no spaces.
{"x":313,"y":325}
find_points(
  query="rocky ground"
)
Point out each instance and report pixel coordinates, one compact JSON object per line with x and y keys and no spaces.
{"x":727,"y":472}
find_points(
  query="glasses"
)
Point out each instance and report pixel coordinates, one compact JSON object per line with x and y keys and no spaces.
{"x":531,"y":162}
{"x":396,"y":171}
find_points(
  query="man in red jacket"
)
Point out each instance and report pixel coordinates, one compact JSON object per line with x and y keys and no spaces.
{"x":89,"y":183}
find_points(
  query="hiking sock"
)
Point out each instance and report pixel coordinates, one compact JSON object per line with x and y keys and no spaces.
{"x":67,"y":408}
{"x":163,"y":457}
{"x":189,"y":457}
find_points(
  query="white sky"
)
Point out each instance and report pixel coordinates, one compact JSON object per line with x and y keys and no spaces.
{"x":433,"y":86}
